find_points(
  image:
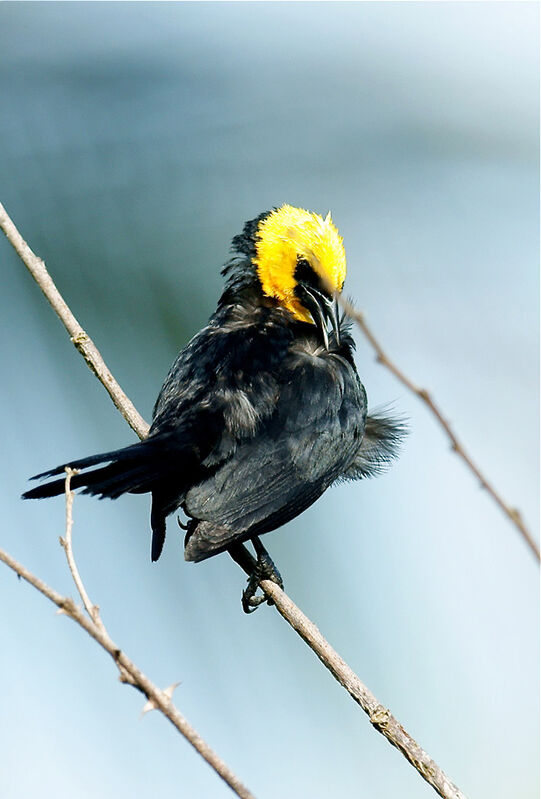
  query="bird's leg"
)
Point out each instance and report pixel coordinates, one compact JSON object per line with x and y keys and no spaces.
{"x":266,"y":564}
{"x":264,"y":569}
{"x":261,"y":569}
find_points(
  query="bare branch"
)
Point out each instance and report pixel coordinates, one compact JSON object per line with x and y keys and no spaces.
{"x":67,"y":544}
{"x":169,"y":691}
{"x":80,"y":339}
{"x":512,"y":513}
{"x":160,"y":699}
{"x":379,"y":716}
{"x":91,"y":609}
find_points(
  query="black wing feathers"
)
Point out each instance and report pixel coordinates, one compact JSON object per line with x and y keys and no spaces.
{"x":310,"y":440}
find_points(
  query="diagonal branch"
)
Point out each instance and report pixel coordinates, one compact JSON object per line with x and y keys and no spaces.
{"x":379,"y":716}
{"x":513,"y":514}
{"x":81,"y":340}
{"x":134,"y":676}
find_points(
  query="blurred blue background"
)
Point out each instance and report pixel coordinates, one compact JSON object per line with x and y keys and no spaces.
{"x":135,"y":140}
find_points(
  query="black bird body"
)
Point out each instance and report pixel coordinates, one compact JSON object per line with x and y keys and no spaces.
{"x":260,"y":413}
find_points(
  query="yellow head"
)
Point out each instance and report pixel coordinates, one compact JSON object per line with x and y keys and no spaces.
{"x":289,"y":236}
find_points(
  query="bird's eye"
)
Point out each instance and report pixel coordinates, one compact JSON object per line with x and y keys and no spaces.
{"x":305,"y":275}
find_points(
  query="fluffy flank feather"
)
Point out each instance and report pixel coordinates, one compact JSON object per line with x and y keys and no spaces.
{"x":382,"y":439}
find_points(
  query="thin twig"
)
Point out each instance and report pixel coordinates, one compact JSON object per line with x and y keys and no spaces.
{"x":379,"y":716}
{"x":67,"y":544}
{"x":92,"y":610}
{"x":79,"y":338}
{"x":512,"y":513}
{"x":159,"y":698}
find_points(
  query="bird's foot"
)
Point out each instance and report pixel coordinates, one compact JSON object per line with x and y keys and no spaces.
{"x":264,"y":569}
{"x":182,"y":525}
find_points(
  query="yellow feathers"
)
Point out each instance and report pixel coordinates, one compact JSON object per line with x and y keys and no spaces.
{"x":289,"y":235}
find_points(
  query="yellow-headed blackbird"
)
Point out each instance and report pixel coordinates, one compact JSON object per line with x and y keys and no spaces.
{"x":263,"y":409}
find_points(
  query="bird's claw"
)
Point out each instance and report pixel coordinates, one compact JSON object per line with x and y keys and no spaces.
{"x":264,"y":570}
{"x":251,"y":601}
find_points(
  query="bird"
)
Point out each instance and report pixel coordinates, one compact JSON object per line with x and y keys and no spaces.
{"x":261,"y":411}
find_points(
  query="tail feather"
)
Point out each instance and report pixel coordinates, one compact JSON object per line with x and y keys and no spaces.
{"x":102,"y":457}
{"x":133,"y":468}
{"x":46,"y":490}
{"x":160,"y":465}
{"x":114,"y":480}
{"x":157,"y":522}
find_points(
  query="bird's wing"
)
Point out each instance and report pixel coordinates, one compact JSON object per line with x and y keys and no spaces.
{"x":309,"y":441}
{"x":218,"y":393}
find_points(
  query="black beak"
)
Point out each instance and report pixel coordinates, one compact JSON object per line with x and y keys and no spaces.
{"x":324,"y":309}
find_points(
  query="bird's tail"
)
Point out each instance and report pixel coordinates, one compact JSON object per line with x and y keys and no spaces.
{"x":131,"y":469}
